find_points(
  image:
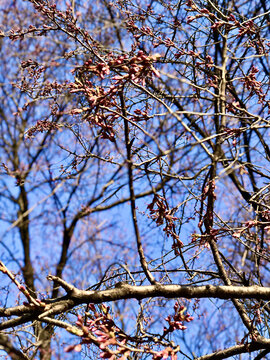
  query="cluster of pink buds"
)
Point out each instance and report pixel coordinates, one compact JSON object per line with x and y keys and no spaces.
{"x":98,"y":100}
{"x":253,"y":85}
{"x":102,"y":102}
{"x":41,"y":126}
{"x":209,"y":190}
{"x":136,"y":68}
{"x":162,"y":213}
{"x":100,"y":329}
{"x":165,"y":354}
{"x":176,"y":322}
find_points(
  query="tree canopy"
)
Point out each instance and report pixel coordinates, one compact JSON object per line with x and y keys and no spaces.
{"x":135,"y":212}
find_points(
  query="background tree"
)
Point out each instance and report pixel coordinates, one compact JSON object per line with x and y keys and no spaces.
{"x":135,"y":156}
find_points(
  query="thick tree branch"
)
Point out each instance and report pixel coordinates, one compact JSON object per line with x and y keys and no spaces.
{"x":234,"y":350}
